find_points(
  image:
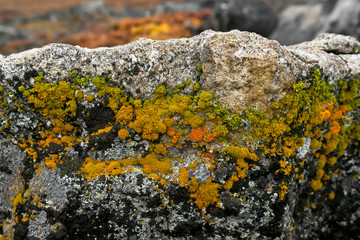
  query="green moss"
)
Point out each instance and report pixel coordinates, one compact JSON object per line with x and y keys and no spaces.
{"x":78,"y":80}
{"x":203,"y":100}
{"x":160,"y":91}
{"x":21,"y":89}
{"x":196,"y":87}
{"x":199,"y":67}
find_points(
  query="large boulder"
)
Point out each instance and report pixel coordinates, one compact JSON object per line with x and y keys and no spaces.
{"x":219,"y":136}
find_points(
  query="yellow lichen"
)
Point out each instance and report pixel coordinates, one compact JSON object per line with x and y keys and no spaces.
{"x":206,"y":194}
{"x":123,"y":133}
{"x":331,"y":195}
{"x":283,"y":189}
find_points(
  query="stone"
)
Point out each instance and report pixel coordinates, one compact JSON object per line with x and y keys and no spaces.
{"x":225,"y":135}
{"x":344,"y":19}
{"x":8,"y":33}
{"x":245,"y":15}
{"x":304,"y":20}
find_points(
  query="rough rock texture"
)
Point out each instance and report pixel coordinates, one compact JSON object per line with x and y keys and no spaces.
{"x":219,"y":136}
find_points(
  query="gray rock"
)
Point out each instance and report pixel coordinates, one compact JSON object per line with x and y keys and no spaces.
{"x":298,"y":23}
{"x":8,"y":33}
{"x":245,"y":15}
{"x":91,"y":8}
{"x":344,"y":19}
{"x":304,"y":20}
{"x":241,"y":69}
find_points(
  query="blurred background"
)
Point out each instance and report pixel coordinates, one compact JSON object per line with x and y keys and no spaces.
{"x":25,"y":24}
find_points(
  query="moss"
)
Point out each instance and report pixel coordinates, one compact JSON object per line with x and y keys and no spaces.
{"x":203,"y":100}
{"x":199,"y":67}
{"x":160,"y":91}
{"x":196,"y":87}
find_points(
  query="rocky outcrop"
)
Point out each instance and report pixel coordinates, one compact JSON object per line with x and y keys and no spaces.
{"x":219,"y":136}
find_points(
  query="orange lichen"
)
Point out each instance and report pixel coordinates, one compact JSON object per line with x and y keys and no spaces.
{"x":283,"y":190}
{"x":316,"y":184}
{"x":93,"y":168}
{"x":125,"y":114}
{"x":123,"y":133}
{"x":36,"y":199}
{"x":18,"y":199}
{"x":52,"y":161}
{"x":321,"y":161}
{"x":152,"y":164}
{"x":206,"y":194}
{"x":331,"y":195}
{"x":285,"y":168}
{"x":160,"y":149}
{"x":331,"y":161}
{"x":198,"y":134}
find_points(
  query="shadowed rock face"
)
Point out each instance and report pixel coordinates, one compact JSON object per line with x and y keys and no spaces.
{"x":223,"y":135}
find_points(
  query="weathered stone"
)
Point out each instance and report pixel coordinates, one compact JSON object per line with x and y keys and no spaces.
{"x":239,"y":158}
{"x":332,"y":43}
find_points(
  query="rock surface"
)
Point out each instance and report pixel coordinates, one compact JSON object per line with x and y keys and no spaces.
{"x":219,"y":136}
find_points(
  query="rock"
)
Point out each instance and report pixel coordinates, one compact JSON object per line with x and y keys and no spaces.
{"x":332,"y":43}
{"x":344,"y":19}
{"x":167,"y":7}
{"x":304,"y":20}
{"x":298,"y":23}
{"x":220,"y":136}
{"x":8,"y":33}
{"x":91,"y":8}
{"x":255,"y":16}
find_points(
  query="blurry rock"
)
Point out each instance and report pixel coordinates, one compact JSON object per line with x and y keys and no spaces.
{"x":246,"y":15}
{"x":344,"y":19}
{"x":91,"y":8}
{"x":299,"y":23}
{"x":132,"y":12}
{"x":332,"y":43}
{"x":306,"y":19}
{"x":8,"y":33}
{"x":166,"y":7}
